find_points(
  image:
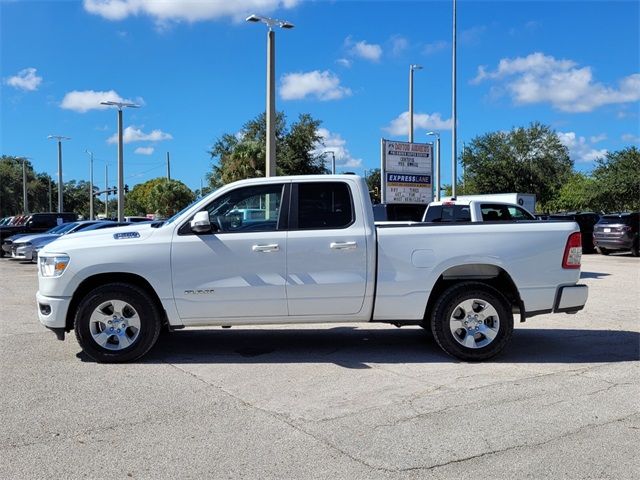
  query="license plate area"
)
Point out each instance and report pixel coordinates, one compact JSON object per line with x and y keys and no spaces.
{"x":606,"y":230}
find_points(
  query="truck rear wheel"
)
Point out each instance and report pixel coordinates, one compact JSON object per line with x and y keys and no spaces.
{"x":117,"y":322}
{"x":472,"y":321}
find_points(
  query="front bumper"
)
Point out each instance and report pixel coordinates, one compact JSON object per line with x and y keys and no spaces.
{"x":22,"y":253}
{"x":571,"y":299}
{"x":52,"y":311}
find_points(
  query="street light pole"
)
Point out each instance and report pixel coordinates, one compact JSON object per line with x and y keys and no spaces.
{"x":411,"y":70}
{"x":90,"y":184}
{"x":106,"y":191}
{"x":454,"y":113}
{"x":120,"y":106}
{"x":437,"y":175}
{"x":270,"y":167}
{"x":25,"y":204}
{"x":59,"y":138}
{"x":333,"y":162}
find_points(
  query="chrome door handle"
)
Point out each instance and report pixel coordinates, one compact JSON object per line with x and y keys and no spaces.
{"x":343,"y":245}
{"x":273,"y":247}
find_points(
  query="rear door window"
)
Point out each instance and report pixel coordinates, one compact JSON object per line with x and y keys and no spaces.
{"x":448,"y":213}
{"x":324,"y":205}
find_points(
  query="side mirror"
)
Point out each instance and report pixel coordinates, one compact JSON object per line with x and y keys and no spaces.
{"x":201,"y":223}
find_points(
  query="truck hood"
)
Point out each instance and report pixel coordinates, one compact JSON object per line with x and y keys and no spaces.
{"x":97,"y":239}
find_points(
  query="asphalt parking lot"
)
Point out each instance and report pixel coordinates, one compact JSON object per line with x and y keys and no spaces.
{"x":329,"y":401}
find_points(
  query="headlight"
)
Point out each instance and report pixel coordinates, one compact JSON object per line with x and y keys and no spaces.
{"x":53,"y":266}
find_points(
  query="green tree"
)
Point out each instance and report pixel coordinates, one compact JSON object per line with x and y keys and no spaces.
{"x":243,"y":156}
{"x":11,"y":194}
{"x":373,"y":183}
{"x":137,"y":200}
{"x":577,"y":194}
{"x":169,"y":197}
{"x":525,"y":160}
{"x":616,"y":179}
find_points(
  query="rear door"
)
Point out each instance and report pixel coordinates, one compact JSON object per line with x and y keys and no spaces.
{"x":326,"y":251}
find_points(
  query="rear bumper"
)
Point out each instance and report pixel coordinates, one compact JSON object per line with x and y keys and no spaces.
{"x":570,"y":299}
{"x":613,"y":243}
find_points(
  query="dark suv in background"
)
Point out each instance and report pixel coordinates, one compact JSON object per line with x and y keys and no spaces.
{"x":586,"y":222}
{"x":617,"y":231}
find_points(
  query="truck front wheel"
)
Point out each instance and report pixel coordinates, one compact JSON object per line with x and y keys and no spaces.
{"x":117,"y":322}
{"x":472,"y":321}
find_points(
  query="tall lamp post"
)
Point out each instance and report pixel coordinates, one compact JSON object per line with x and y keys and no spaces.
{"x":25,"y":200}
{"x":120,"y":106}
{"x":454,"y":111}
{"x":90,"y":184}
{"x":412,"y":68}
{"x":271,"y":87}
{"x":59,"y":138}
{"x":437,"y":175}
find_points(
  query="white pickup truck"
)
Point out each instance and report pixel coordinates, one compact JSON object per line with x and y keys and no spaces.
{"x":469,"y":210}
{"x":302,"y":250}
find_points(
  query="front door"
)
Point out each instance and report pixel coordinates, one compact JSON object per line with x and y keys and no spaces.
{"x":239,"y":270}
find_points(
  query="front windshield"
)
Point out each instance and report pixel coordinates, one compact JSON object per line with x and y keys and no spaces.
{"x":57,"y":228}
{"x":66,"y":227}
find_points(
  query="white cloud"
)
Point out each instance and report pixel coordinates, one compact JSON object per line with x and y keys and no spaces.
{"x":362,"y":49}
{"x":333,"y":142}
{"x":630,"y":137}
{"x":345,"y":62}
{"x":435,"y":47}
{"x":26,"y":79}
{"x":598,"y":138}
{"x":471,"y":36}
{"x":144,"y":150}
{"x":539,"y":78}
{"x":85,"y":100}
{"x":321,"y":85}
{"x":421,"y":121}
{"x":579,"y":149}
{"x":135,"y":134}
{"x":184,"y":10}
{"x":398,"y":45}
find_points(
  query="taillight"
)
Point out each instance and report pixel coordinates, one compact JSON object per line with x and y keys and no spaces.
{"x":573,"y":251}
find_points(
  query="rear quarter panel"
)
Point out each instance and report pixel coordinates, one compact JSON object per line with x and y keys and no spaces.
{"x":412,"y":258}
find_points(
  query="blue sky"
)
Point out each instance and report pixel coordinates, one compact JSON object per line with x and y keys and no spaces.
{"x":199,"y":71}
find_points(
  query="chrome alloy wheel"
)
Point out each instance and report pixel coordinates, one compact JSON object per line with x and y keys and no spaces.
{"x":114,"y":325}
{"x":474,"y":323}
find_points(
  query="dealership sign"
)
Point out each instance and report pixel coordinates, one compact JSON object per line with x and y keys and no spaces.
{"x":406,"y":172}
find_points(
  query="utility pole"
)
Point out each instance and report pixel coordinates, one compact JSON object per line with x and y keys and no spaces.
{"x":106,"y":191}
{"x":168,"y":168}
{"x":50,"y":201}
{"x":90,"y":184}
{"x":59,"y":138}
{"x":333,"y":162}
{"x":25,"y":203}
{"x":411,"y":70}
{"x":454,"y":113}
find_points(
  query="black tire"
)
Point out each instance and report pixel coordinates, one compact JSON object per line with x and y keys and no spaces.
{"x":483,"y":348}
{"x":138,"y":301}
{"x":602,"y":251}
{"x":635,"y":251}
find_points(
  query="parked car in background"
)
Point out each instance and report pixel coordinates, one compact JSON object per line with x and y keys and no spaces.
{"x":456,"y":210}
{"x":8,"y":242}
{"x":34,"y":223}
{"x":137,"y":219}
{"x":586,"y":221}
{"x":617,"y":232}
{"x":25,"y":248}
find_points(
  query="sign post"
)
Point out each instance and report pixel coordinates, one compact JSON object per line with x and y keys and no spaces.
{"x":406,"y":172}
